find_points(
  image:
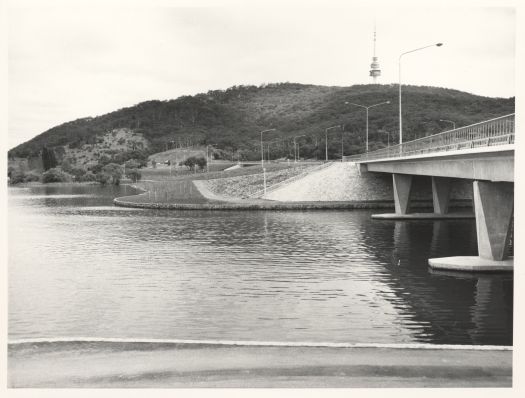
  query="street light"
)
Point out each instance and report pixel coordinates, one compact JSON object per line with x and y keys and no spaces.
{"x":342,"y":142}
{"x":262,"y":157}
{"x":262,"y":147}
{"x":449,"y":121}
{"x":326,"y":140}
{"x":400,"y":115}
{"x":207,"y":158}
{"x":367,"y":108}
{"x":295,"y":151}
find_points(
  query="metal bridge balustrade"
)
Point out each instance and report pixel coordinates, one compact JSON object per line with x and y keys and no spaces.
{"x":493,"y":132}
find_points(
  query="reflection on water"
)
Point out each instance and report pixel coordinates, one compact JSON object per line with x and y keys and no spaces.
{"x":80,"y":267}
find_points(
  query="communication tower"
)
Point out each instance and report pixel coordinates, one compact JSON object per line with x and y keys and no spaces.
{"x":375,"y":71}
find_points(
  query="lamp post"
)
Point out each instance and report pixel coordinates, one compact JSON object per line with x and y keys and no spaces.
{"x":367,"y":108}
{"x":262,"y":146}
{"x":342,"y":143}
{"x":400,"y":114}
{"x":326,"y":140}
{"x":262,"y":157}
{"x":207,"y":157}
{"x":449,"y":121}
{"x":295,"y":151}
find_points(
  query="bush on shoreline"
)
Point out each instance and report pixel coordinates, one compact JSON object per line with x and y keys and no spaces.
{"x":19,"y":177}
{"x":104,"y":174}
{"x":56,"y":175}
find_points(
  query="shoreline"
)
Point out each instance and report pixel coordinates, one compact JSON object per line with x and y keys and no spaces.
{"x":250,"y":343}
{"x":256,"y":205}
{"x":244,"y":204}
{"x":213,"y":201}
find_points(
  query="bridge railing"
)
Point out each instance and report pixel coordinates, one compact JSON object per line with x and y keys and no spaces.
{"x":498,"y":131}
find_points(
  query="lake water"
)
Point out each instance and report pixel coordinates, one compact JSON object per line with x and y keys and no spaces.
{"x":79,"y":267}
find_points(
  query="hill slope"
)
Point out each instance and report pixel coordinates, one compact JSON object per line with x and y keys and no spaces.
{"x":233,"y":118}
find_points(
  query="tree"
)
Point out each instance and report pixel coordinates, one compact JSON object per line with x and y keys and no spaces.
{"x":88,"y":177}
{"x":133,"y":174}
{"x":49,"y":160}
{"x":16,"y":176}
{"x":133,"y":164}
{"x":103,"y":178}
{"x":77,"y":172}
{"x":189,"y":162}
{"x":66,"y":166}
{"x":114,"y":171}
{"x":201,"y":162}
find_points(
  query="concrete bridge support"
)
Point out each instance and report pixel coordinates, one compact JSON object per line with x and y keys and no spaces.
{"x":494,"y":207}
{"x":402,"y":187}
{"x":440,"y":194}
{"x":441,"y":187}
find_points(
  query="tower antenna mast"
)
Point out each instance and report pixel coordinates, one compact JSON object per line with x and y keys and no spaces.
{"x":375,"y":70}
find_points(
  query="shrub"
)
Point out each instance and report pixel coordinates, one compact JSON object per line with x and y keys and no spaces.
{"x":16,"y":176}
{"x":32,"y":176}
{"x":77,"y":172}
{"x":103,"y":178}
{"x":66,"y":165}
{"x":88,"y":177}
{"x":55,"y":175}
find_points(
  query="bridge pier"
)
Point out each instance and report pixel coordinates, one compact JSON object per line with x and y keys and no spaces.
{"x":402,"y":184}
{"x":402,"y":187}
{"x":440,"y":194}
{"x":494,"y":207}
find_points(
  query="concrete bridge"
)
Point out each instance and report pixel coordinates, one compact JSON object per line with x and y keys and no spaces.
{"x":482,"y":152}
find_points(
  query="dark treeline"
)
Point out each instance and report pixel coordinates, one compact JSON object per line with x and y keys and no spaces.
{"x":232,"y":119}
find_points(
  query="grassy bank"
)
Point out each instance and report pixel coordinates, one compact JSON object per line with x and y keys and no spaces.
{"x":178,"y":188}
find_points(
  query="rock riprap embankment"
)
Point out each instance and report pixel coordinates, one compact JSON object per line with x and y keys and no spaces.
{"x":247,"y":185}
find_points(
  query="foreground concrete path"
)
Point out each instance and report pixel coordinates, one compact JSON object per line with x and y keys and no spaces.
{"x":194,"y":365}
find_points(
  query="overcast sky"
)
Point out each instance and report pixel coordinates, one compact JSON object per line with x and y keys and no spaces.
{"x":67,"y":63}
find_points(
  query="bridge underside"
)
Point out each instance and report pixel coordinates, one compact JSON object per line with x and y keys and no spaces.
{"x":488,"y":166}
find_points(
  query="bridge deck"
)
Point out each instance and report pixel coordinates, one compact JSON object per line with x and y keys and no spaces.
{"x":482,"y":151}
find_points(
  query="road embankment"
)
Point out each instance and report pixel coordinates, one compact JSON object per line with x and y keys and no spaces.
{"x":319,"y":187}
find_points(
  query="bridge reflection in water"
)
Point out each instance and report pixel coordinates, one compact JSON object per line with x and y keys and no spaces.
{"x":483,"y":301}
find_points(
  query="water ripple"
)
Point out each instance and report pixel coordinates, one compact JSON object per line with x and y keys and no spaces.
{"x":78,"y":266}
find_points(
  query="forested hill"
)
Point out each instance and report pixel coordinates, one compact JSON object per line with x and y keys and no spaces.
{"x":232,"y":119}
